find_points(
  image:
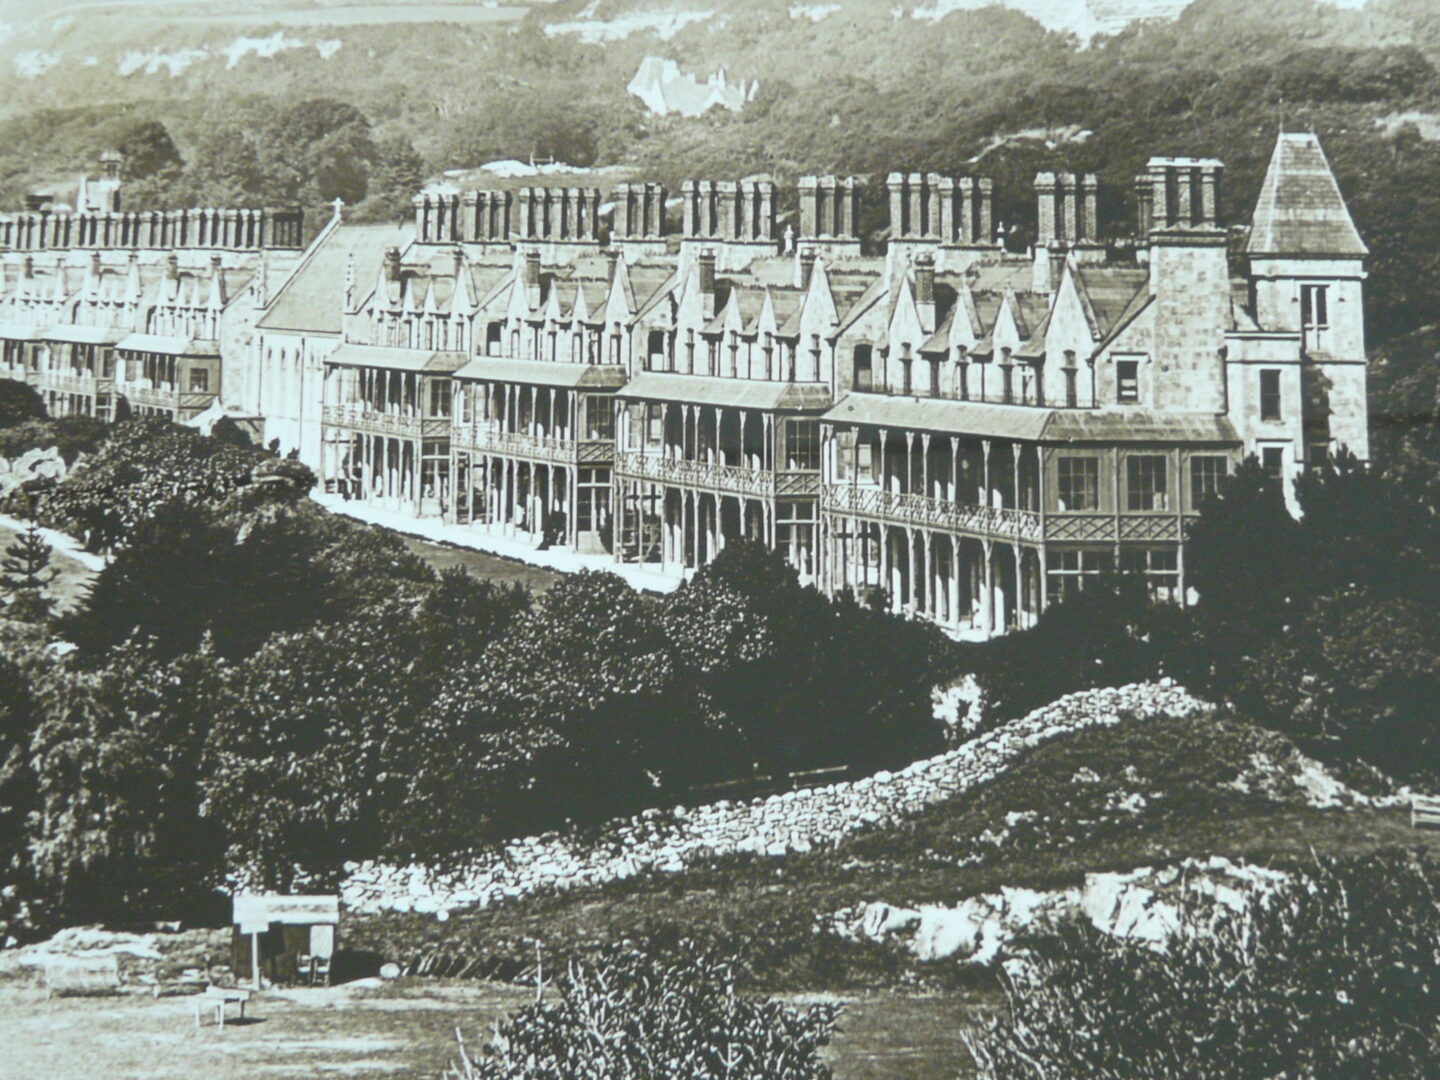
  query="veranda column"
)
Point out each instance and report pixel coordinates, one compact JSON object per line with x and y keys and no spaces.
{"x":928,"y":604}
{"x":1020,"y":590}
{"x":925,"y":465}
{"x":954,"y":601}
{"x":987,"y":500}
{"x":987,"y":601}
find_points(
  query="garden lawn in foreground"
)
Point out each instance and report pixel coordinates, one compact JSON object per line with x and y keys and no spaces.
{"x":401,"y":1029}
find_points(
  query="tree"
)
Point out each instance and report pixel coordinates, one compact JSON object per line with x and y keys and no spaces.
{"x":1356,"y":677}
{"x":27,"y":574}
{"x":395,"y":177}
{"x":19,"y":402}
{"x":1243,"y":558}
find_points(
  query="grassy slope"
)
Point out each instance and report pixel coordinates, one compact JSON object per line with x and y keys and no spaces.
{"x":766,"y":908}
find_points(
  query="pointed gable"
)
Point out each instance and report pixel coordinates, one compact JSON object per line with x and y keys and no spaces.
{"x":1301,"y":210}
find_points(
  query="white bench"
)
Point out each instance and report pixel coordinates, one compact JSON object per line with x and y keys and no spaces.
{"x":216,"y":998}
{"x":1424,"y":812}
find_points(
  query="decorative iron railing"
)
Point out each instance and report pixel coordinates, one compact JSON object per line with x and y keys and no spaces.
{"x":931,"y":513}
{"x":722,"y":479}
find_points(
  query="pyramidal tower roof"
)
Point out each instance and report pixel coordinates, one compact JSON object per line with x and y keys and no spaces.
{"x":1301,"y":210}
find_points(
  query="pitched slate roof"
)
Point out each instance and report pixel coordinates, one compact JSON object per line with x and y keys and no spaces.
{"x":1301,"y":210}
{"x":311,"y":299}
{"x":1027,"y":422}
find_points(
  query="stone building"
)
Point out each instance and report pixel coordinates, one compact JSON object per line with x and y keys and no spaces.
{"x":103,"y":310}
{"x":974,"y":431}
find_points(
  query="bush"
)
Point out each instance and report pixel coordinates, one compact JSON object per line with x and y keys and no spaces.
{"x":1108,"y":635}
{"x":1337,"y":976}
{"x":634,"y":1013}
{"x":19,"y":402}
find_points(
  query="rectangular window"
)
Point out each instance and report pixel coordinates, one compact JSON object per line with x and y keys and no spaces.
{"x":802,"y":445}
{"x":690,"y":351}
{"x":1272,"y":459}
{"x":935,"y":376}
{"x":1070,"y":570}
{"x":1072,"y":390}
{"x":905,"y":383}
{"x":1269,"y":394}
{"x":1127,"y":381}
{"x":863,"y":376}
{"x":199,"y":381}
{"x":1145,"y":482}
{"x":1078,"y":480}
{"x":439,"y":397}
{"x":962,"y":378}
{"x":1314,"y":307}
{"x":1206,"y":472}
{"x":865,"y":461}
{"x":654,"y":424}
{"x":1007,"y":380}
{"x":599,"y":417}
{"x":1160,"y":567}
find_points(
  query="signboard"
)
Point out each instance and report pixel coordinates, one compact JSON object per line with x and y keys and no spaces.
{"x":254,"y":913}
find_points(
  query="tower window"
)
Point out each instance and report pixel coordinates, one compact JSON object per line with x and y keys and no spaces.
{"x":1314,"y":307}
{"x":1270,"y":394}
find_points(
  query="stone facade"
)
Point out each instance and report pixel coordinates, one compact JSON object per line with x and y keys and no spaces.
{"x":975,"y":432}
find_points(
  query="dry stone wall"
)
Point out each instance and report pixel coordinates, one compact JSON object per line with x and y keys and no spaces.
{"x":796,"y":821}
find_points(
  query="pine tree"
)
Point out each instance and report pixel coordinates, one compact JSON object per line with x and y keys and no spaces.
{"x":27,"y":573}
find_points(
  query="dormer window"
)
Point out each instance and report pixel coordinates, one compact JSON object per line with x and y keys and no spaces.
{"x":1127,"y":382}
{"x":906,"y":378}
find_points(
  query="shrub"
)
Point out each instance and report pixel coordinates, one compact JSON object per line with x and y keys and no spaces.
{"x":1337,"y":976}
{"x":632,"y":1014}
{"x":1108,"y":635}
{"x":19,"y":402}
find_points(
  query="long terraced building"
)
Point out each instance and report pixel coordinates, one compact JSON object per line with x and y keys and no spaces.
{"x":642,"y":378}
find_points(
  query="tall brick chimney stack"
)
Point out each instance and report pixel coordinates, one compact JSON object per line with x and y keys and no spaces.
{"x":392,"y":264}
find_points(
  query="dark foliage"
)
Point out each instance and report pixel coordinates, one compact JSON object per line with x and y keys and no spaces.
{"x":19,"y":402}
{"x":1336,"y":976}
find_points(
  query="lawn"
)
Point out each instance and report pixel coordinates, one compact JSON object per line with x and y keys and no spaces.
{"x":405,"y":1028}
{"x":70,"y":587}
{"x":482,"y":564}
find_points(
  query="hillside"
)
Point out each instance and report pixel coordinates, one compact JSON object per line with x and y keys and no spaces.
{"x":223,"y":98}
{"x":1147,"y":791}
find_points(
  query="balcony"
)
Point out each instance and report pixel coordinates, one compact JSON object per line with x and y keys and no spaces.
{"x":1103,"y":528}
{"x":70,"y":382}
{"x":892,"y":507}
{"x":355,"y":418}
{"x":491,"y":440}
{"x":143,"y":394}
{"x":721,"y":479}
